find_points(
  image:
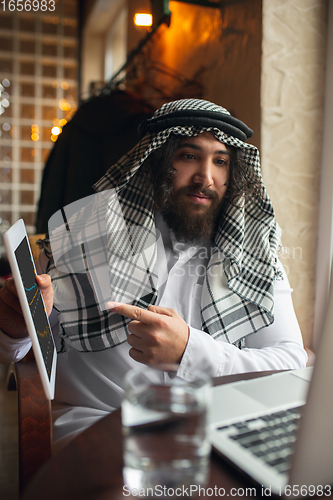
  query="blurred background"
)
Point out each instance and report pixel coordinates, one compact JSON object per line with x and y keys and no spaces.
{"x":77,"y":76}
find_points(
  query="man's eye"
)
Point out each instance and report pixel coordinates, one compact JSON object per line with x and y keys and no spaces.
{"x":188,"y":156}
{"x":221,"y":161}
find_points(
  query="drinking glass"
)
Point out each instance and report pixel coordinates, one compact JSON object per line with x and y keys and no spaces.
{"x":164,"y":427}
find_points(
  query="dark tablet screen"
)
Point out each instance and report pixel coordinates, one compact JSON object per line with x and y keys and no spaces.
{"x":36,"y":304}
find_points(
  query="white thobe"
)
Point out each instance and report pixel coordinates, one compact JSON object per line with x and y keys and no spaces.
{"x":90,"y":384}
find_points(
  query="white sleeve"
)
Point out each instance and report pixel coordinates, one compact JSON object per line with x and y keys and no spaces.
{"x":276,"y":347}
{"x":12,"y":350}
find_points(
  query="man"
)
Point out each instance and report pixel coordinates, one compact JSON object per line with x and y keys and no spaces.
{"x":219,"y":302}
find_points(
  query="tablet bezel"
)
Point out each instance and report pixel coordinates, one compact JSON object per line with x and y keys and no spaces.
{"x":13,"y":238}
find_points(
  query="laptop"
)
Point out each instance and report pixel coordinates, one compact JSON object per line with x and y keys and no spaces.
{"x":278,"y":429}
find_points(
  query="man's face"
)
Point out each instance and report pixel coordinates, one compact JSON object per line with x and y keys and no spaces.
{"x":201,"y":171}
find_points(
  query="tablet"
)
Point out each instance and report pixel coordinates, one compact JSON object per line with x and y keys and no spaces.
{"x":23,"y":270}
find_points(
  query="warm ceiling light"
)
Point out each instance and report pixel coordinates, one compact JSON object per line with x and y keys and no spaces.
{"x":56,"y":130}
{"x":143,"y":19}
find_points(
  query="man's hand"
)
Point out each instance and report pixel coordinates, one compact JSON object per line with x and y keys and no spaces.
{"x":11,"y":318}
{"x":157,"y":335}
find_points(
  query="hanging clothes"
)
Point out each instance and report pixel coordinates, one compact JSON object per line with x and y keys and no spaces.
{"x":102,"y":130}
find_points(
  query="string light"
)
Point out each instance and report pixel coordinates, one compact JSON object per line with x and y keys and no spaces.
{"x":64,"y":105}
{"x":34,"y":132}
{"x":4,"y":96}
{"x":56,"y":130}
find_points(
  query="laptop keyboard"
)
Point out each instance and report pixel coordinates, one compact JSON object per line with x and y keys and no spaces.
{"x":270,"y":437}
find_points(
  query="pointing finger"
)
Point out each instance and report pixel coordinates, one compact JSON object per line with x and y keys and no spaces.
{"x":161,"y":310}
{"x":132,"y":312}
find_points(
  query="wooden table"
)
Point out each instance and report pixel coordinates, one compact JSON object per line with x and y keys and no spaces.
{"x":90,"y":467}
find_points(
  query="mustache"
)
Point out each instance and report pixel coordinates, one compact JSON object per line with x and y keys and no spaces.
{"x":192,"y":190}
{"x":196,"y":190}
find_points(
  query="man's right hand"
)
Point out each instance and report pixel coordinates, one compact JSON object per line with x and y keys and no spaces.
{"x":11,"y":319}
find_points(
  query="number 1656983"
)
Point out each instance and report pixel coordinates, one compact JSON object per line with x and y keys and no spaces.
{"x":28,"y":5}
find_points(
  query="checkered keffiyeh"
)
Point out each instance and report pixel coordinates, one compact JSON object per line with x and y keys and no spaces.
{"x":245,"y":249}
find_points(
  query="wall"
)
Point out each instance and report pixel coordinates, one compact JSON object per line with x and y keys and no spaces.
{"x":115,"y":43}
{"x":92,"y":62}
{"x":325,"y":236}
{"x":293,"y":69}
{"x":102,"y":24}
{"x":219,"y":49}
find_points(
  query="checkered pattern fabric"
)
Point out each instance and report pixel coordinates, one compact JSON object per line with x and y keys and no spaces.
{"x":244,"y":256}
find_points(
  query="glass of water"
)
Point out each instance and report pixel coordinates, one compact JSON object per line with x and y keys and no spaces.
{"x":164,"y":425}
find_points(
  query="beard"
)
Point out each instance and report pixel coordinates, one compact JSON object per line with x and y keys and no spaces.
{"x":191,"y":224}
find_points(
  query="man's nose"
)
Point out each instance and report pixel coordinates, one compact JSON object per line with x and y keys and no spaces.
{"x":203,"y":174}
